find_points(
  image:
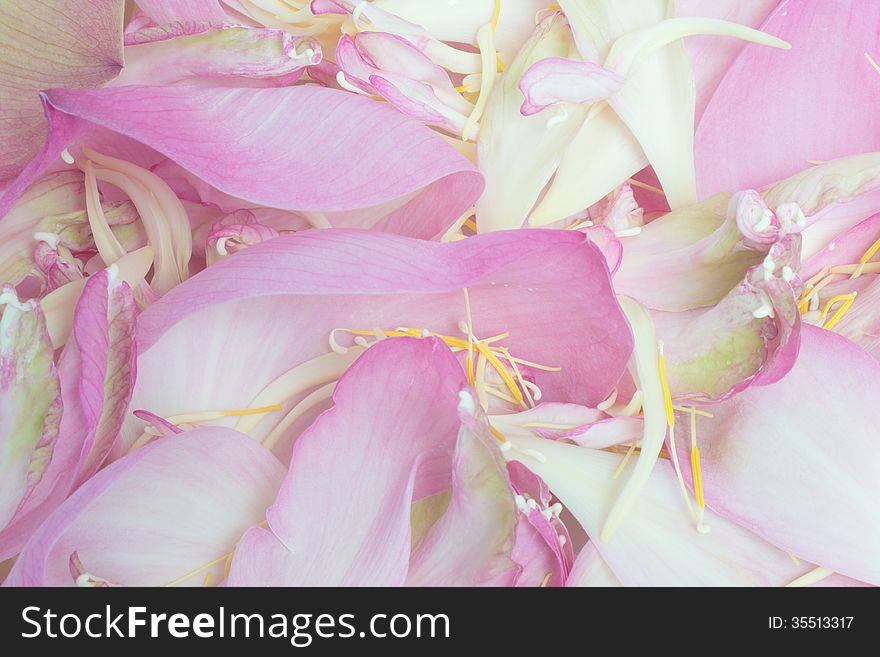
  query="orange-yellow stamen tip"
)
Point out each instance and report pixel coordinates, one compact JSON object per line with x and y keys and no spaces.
{"x":498,"y":435}
{"x":253,"y":411}
{"x":667,"y":395}
{"x":698,"y":477}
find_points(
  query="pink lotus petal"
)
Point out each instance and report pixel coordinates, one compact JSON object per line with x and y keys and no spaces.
{"x":370,"y":447}
{"x":174,"y":508}
{"x":104,"y":327}
{"x":203,"y":11}
{"x":766,"y":119}
{"x":711,"y":57}
{"x":783,"y":462}
{"x":590,"y":570}
{"x":542,"y":545}
{"x":70,"y":43}
{"x":401,"y":161}
{"x":289,"y":293}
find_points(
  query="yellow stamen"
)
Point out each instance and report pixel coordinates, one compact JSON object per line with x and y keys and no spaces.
{"x":499,"y":394}
{"x":867,"y":256}
{"x":670,"y":420}
{"x":502,"y":372}
{"x":498,"y":435}
{"x":497,"y":13}
{"x":692,"y":411}
{"x":548,"y":425}
{"x":836,"y":317}
{"x":586,"y":223}
{"x":489,"y":71}
{"x":667,"y":396}
{"x":469,"y":365}
{"x":697,"y":473}
{"x":208,"y":416}
{"x":867,"y":268}
{"x":795,"y":560}
{"x":480,"y":383}
{"x":253,"y":411}
{"x":470,"y":223}
{"x":545,"y":580}
{"x":834,"y":300}
{"x":519,"y":379}
{"x":632,"y":448}
{"x":872,"y":62}
{"x":815,"y":575}
{"x":645,"y":186}
{"x":815,"y":162}
{"x":200,"y":569}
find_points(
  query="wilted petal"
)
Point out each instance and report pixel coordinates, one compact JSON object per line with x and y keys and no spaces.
{"x":104,"y":328}
{"x":559,"y":79}
{"x":206,"y":54}
{"x":72,"y":43}
{"x":30,"y":401}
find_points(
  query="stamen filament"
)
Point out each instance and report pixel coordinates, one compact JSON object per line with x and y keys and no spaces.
{"x":815,"y":575}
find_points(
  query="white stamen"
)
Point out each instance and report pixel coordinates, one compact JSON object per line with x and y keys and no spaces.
{"x":562,"y":540}
{"x":520,"y":503}
{"x":85,"y":581}
{"x":11,"y":299}
{"x":532,"y":504}
{"x":535,"y":454}
{"x":348,"y":86}
{"x":608,"y":403}
{"x":505,"y":446}
{"x":556,"y":509}
{"x":628,"y":232}
{"x":221,"y":246}
{"x":357,"y":11}
{"x":52,"y":239}
{"x":559,"y":118}
{"x":769,"y":267}
{"x":334,"y":345}
{"x":787,"y":274}
{"x":547,"y":513}
{"x":765,"y":310}
{"x":765,"y":221}
{"x":466,"y":402}
{"x":534,"y":389}
{"x":67,"y":157}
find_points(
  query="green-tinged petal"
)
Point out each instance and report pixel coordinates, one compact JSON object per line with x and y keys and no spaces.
{"x":30,"y":400}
